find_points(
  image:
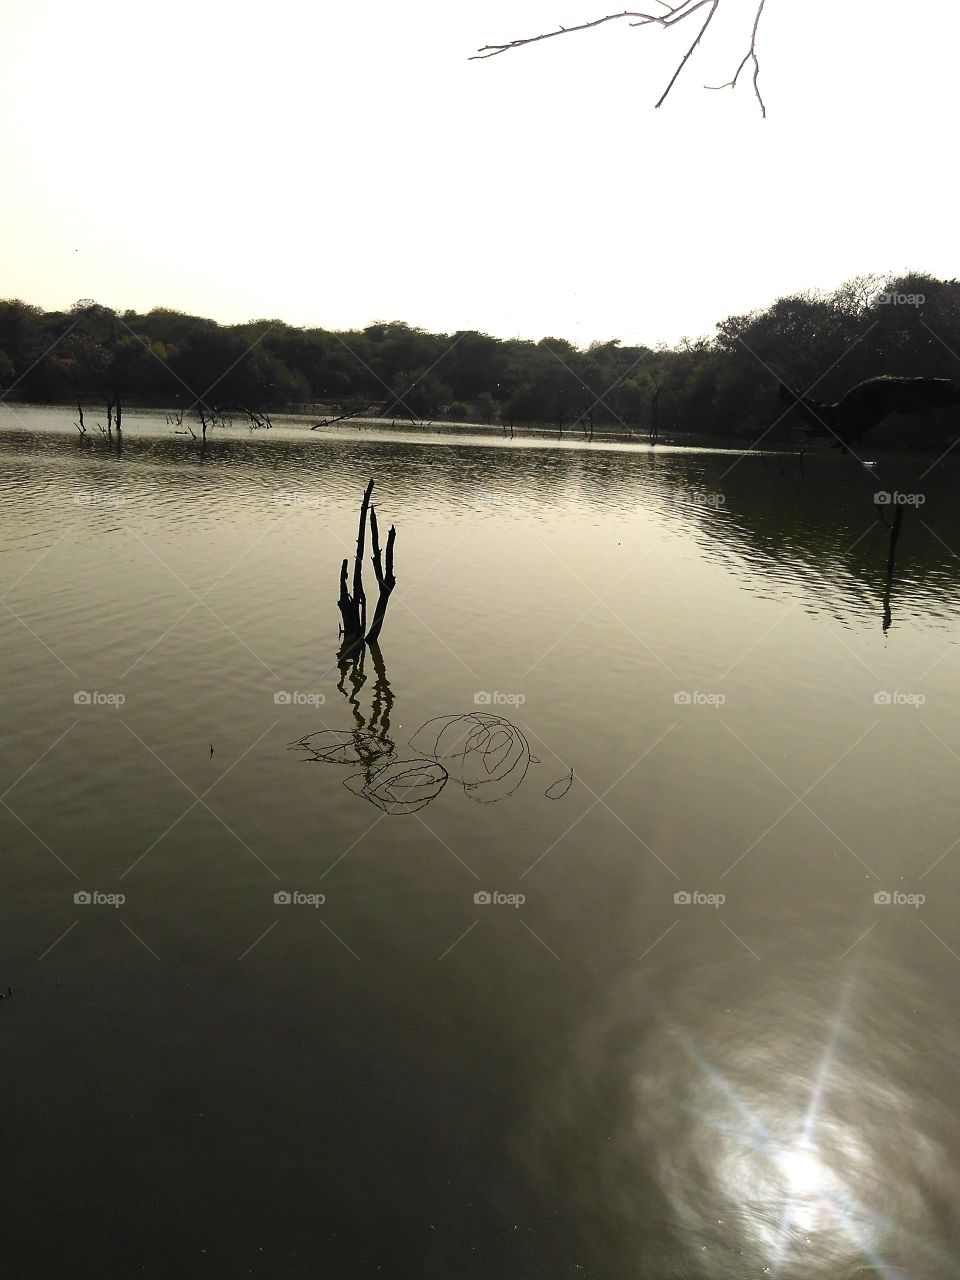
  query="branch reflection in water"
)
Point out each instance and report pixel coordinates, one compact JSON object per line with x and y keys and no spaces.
{"x":486,"y":754}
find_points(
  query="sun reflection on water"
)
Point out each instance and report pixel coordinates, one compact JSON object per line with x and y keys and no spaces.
{"x":792,"y":1199}
{"x":796,"y":1135}
{"x":810,"y":1185}
{"x":792,"y":1159}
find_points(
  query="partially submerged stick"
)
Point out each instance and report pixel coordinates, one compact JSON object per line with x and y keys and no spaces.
{"x":385,"y":579}
{"x":353,"y":607}
{"x":891,"y":565}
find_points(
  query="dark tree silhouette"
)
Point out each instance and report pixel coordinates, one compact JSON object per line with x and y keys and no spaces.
{"x":867,"y":404}
{"x":672,"y":15}
{"x":353,"y":607}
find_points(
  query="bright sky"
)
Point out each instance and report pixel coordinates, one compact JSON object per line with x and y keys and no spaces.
{"x":332,"y":164}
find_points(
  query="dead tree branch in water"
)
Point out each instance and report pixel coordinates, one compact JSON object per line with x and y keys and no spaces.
{"x":258,"y":419}
{"x":891,"y":565}
{"x":675,"y":13}
{"x":353,"y":606}
{"x":344,"y":417}
{"x":209,"y":417}
{"x":114,"y":414}
{"x":385,"y":579}
{"x":177,"y":419}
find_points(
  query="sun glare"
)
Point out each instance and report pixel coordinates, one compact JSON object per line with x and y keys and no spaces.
{"x":804,"y":1173}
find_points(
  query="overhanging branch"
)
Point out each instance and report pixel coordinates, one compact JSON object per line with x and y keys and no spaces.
{"x":674,"y":14}
{"x":750,"y":56}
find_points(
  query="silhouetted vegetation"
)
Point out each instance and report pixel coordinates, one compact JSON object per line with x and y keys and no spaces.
{"x":821,"y":344}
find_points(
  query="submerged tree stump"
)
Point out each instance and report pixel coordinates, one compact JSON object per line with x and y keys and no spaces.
{"x":353,"y":606}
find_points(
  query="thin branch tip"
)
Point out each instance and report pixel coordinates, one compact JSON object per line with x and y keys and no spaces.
{"x":674,"y":14}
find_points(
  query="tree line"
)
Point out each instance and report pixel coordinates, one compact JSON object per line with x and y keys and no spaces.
{"x":720,"y":386}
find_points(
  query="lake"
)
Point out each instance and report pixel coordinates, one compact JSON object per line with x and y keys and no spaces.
{"x":690,"y":1013}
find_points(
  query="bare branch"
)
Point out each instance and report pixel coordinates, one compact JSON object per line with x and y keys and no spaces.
{"x":353,"y":608}
{"x":385,"y":580}
{"x":751,"y":56}
{"x":674,"y":14}
{"x":688,"y":54}
{"x":359,"y":598}
{"x":258,"y":419}
{"x":344,"y":417}
{"x":491,"y":50}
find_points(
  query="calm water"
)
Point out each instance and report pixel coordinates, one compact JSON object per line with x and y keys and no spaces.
{"x":602,"y":1080}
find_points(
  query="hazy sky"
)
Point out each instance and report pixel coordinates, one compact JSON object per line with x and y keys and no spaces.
{"x":332,"y":164}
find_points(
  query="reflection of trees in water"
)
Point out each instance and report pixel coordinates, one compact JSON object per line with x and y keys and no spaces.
{"x":823,"y":531}
{"x":891,"y":565}
{"x":813,"y":531}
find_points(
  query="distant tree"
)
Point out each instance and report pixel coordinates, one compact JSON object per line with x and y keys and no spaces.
{"x":821,"y":344}
{"x":473,"y":364}
{"x":486,"y":407}
{"x":21,"y":334}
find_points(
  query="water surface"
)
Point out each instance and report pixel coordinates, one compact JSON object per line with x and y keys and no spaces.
{"x":605,"y":1080}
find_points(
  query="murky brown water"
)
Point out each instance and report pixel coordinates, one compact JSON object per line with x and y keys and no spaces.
{"x":605,"y":1079}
